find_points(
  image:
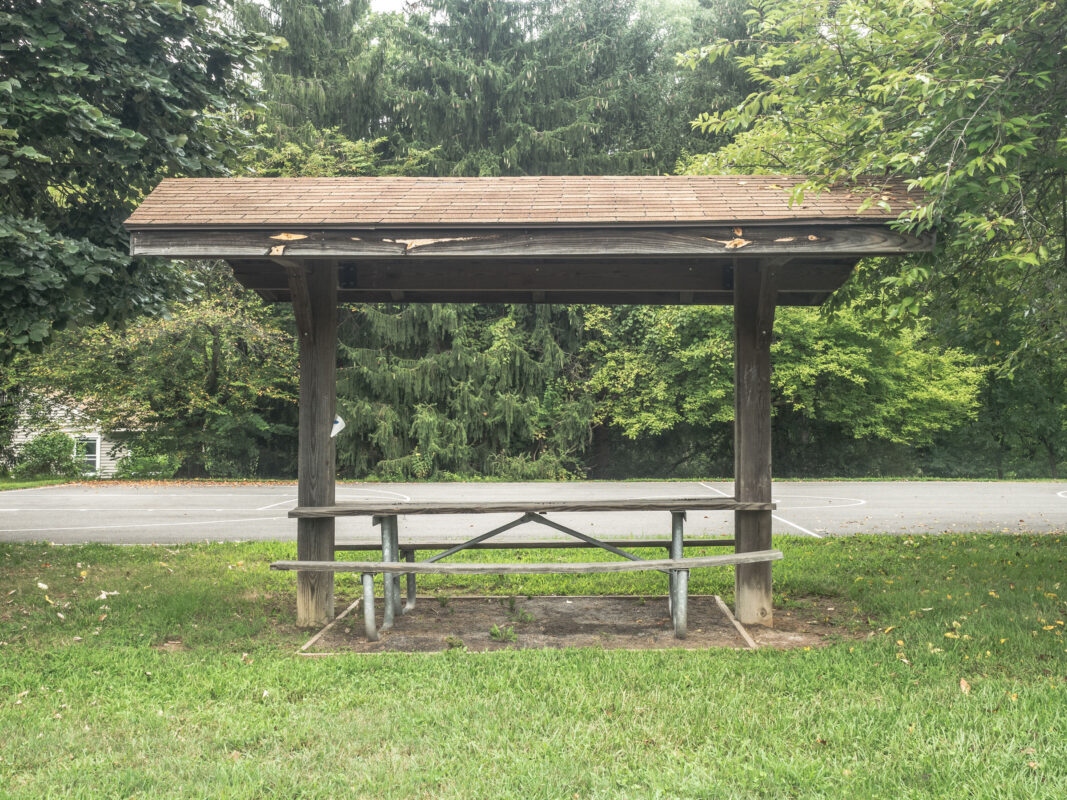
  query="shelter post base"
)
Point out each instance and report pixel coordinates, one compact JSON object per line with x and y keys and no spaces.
{"x":752,"y":582}
{"x":314,"y":590}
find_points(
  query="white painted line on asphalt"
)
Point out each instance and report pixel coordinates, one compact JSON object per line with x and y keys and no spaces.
{"x":1062,"y":494}
{"x":279,"y":503}
{"x":773,"y":516}
{"x":798,"y":527}
{"x":141,"y":525}
{"x":358,"y":496}
{"x":848,"y":501}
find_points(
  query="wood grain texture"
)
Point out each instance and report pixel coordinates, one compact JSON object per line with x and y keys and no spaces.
{"x":422,"y":568}
{"x":754,"y":292}
{"x":725,"y":609}
{"x":315,"y":303}
{"x":365,"y":508}
{"x":659,"y":240}
{"x":535,"y":544}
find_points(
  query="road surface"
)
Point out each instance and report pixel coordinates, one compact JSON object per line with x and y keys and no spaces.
{"x":167,"y":514}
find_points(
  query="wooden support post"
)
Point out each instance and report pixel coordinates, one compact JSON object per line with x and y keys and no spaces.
{"x":754,"y":299}
{"x":314,"y":292}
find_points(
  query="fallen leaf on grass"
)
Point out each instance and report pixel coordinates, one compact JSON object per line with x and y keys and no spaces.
{"x":964,"y":686}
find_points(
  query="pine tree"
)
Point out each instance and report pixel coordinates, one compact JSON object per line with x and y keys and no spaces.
{"x":456,"y":390}
{"x":329,"y":73}
{"x":507,"y":87}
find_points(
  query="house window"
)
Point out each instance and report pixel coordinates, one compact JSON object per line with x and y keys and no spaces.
{"x":87,"y":451}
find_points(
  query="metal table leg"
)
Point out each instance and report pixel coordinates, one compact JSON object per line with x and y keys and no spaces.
{"x":368,"y":606}
{"x":398,"y":601}
{"x":680,"y":611}
{"x":679,"y":578}
{"x":409,"y":556}
{"x":388,"y":555}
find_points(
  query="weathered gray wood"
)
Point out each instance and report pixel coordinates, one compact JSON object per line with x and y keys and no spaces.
{"x":365,"y":508}
{"x":543,"y":544}
{"x":613,"y":275}
{"x":315,"y":304}
{"x":665,"y":298}
{"x":754,"y":292}
{"x":725,"y":609}
{"x":438,"y":568}
{"x":755,"y":240}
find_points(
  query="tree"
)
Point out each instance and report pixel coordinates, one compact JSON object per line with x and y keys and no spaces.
{"x":438,"y":390}
{"x":548,"y":87}
{"x":660,"y":370}
{"x":97,"y":101}
{"x":965,"y":99}
{"x":329,"y":74}
{"x":213,"y":383}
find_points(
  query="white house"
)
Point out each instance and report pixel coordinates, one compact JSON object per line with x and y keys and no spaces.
{"x":99,"y":453}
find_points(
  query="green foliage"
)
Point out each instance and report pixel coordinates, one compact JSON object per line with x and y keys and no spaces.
{"x":213,"y":383}
{"x":97,"y":101}
{"x":147,"y":466}
{"x":439,"y":390}
{"x":669,"y":371}
{"x":327,"y":154}
{"x":963,"y":98}
{"x":49,"y":454}
{"x":547,"y":87}
{"x":324,"y":72}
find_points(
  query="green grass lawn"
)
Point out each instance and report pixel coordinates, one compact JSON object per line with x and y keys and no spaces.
{"x":91,"y":705}
{"x":7,"y":484}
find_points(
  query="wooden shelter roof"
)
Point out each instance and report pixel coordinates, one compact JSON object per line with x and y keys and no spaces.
{"x":520,"y":202}
{"x":573,"y":239}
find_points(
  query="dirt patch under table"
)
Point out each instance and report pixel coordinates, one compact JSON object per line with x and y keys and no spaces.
{"x":629,"y":623}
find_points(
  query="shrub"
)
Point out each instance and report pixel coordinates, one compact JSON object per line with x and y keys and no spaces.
{"x":142,"y":466}
{"x":47,"y":455}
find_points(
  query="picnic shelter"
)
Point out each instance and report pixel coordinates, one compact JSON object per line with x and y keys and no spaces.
{"x":716,"y":240}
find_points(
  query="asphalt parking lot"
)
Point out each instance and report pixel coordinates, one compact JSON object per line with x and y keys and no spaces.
{"x":172,"y":513}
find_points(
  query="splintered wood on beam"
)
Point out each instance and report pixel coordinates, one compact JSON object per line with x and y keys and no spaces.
{"x":806,"y":239}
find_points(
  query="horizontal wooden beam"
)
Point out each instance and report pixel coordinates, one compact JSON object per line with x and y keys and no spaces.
{"x":437,"y":568}
{"x":554,"y":298}
{"x":667,"y":281}
{"x":747,"y":240}
{"x":368,"y":508}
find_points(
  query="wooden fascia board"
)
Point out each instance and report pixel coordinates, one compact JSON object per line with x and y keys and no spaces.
{"x":795,"y":240}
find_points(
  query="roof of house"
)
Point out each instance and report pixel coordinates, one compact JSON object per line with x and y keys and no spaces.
{"x":507,"y":202}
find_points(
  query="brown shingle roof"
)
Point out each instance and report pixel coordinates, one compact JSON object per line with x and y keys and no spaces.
{"x":518,"y":202}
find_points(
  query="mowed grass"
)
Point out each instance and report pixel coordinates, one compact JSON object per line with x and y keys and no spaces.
{"x":951,"y":683}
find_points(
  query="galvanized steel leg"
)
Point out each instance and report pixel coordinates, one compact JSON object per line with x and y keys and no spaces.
{"x":680,"y":610}
{"x":409,"y":556}
{"x":368,"y":607}
{"x":398,"y":601}
{"x":388,"y":555}
{"x":675,"y":551}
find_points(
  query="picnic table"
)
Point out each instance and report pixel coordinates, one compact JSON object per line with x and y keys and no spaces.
{"x":398,"y":558}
